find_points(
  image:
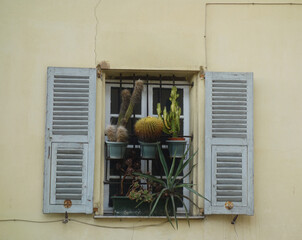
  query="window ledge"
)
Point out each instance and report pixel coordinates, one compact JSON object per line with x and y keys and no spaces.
{"x":145,"y":217}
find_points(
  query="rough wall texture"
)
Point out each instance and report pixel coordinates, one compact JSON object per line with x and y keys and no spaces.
{"x":155,"y":34}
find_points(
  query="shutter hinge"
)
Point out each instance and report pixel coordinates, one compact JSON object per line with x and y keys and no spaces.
{"x":48,"y":152}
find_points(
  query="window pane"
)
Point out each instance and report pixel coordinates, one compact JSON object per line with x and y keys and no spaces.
{"x":116,"y":101}
{"x":164,"y":101}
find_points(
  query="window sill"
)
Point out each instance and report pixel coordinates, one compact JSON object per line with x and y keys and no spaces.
{"x":145,"y":217}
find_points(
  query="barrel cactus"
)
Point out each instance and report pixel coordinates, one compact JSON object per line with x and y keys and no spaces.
{"x":148,"y":129}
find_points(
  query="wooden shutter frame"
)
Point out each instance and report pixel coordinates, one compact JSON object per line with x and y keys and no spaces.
{"x":209,"y":142}
{"x":87,"y":207}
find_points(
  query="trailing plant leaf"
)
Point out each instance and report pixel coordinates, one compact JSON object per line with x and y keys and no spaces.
{"x":186,"y":209}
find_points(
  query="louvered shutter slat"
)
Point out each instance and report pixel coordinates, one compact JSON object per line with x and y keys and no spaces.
{"x":70,"y":134}
{"x":229,"y":143}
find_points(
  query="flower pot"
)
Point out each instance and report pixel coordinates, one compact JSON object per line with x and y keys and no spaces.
{"x":123,"y":206}
{"x":176,"y":147}
{"x":116,"y":150}
{"x":148,"y":150}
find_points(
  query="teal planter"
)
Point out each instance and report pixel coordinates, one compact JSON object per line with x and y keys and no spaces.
{"x":176,"y":147}
{"x":116,"y":150}
{"x":148,"y":150}
{"x":123,"y":206}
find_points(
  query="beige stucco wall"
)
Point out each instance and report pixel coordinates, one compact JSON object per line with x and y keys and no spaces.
{"x":154,"y":34}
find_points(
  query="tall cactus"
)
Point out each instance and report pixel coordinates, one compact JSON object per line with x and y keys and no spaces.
{"x":171,"y":119}
{"x":135,"y":98}
{"x":148,"y":129}
{"x":125,"y":94}
{"x":119,"y":133}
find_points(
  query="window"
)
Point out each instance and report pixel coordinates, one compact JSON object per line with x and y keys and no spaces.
{"x":156,"y":89}
{"x":70,"y":136}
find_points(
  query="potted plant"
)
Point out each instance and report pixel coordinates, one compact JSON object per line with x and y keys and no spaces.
{"x":117,"y":134}
{"x":170,"y":185}
{"x":171,"y":125}
{"x":148,"y":130}
{"x":122,"y":204}
{"x":137,"y":200}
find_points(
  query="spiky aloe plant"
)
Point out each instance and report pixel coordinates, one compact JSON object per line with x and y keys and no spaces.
{"x":171,"y":183}
{"x":148,"y":129}
{"x":171,"y":119}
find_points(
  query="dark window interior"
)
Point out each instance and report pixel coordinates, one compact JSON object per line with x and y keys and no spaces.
{"x":118,"y":167}
{"x":162,"y":95}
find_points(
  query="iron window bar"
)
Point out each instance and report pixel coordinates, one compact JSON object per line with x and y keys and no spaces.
{"x":148,"y":80}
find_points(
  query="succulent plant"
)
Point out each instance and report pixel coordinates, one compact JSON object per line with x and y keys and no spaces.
{"x":126,"y":95}
{"x":135,"y":98}
{"x":119,"y":133}
{"x":111,"y":132}
{"x":148,"y":129}
{"x":171,"y":119}
{"x":171,"y":184}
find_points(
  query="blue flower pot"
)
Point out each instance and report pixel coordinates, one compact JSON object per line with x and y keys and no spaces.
{"x":176,"y":147}
{"x":116,"y":150}
{"x":148,"y":150}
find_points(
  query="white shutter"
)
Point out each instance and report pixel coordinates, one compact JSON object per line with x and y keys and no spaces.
{"x":69,"y":140}
{"x":229,"y":143}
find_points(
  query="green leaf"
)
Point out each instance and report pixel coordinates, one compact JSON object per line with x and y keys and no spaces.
{"x":156,"y":201}
{"x":163,"y":160}
{"x":140,"y":203}
{"x":167,"y":212}
{"x":197,"y":193}
{"x":181,"y":162}
{"x":174,"y":210}
{"x":171,"y":171}
{"x":190,"y":201}
{"x":187,"y":174}
{"x":182,"y":167}
{"x":150,"y":177}
{"x":185,"y":185}
{"x":186,"y":209}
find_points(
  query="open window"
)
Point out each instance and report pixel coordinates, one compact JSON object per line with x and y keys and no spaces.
{"x":70,"y":136}
{"x":157,"y":88}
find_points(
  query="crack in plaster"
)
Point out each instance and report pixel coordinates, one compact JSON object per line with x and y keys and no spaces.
{"x":96,"y":29}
